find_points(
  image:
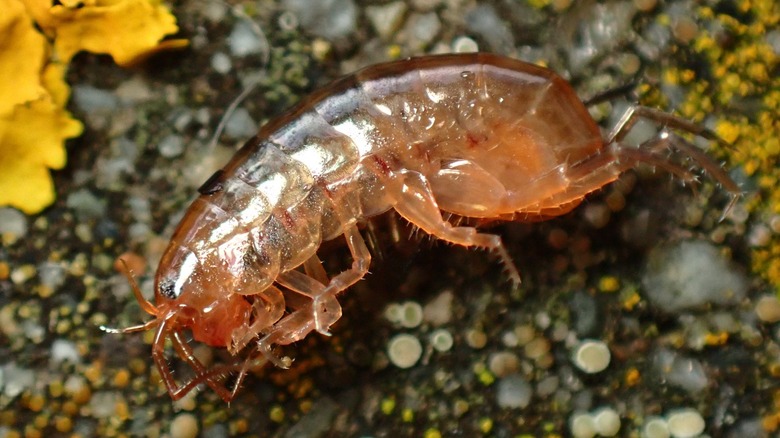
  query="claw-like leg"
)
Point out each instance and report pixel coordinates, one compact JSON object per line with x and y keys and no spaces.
{"x":325,"y":307}
{"x":267,"y":308}
{"x":634,"y":113}
{"x":415,"y":201}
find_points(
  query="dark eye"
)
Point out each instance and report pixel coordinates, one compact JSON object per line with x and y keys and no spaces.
{"x":168,"y":289}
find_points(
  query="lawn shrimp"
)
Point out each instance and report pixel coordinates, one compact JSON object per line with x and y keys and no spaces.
{"x":476,"y":135}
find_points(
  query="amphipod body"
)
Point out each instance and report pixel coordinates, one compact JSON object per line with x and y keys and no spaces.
{"x":475,"y":135}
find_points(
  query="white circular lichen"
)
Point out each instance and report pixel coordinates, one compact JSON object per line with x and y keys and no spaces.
{"x":591,"y":356}
{"x":582,"y":426}
{"x":404,"y":350}
{"x":685,"y":423}
{"x":607,"y":421}
{"x":441,"y":340}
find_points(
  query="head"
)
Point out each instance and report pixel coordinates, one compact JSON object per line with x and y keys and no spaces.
{"x":200,"y":297}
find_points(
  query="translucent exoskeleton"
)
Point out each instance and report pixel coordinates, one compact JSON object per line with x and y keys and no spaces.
{"x":476,"y":135}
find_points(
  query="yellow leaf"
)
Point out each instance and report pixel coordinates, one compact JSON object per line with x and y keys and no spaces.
{"x":124,"y":29}
{"x":22,"y":54}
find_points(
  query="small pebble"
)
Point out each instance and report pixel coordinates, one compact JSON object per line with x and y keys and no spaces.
{"x":509,"y":339}
{"x":476,"y":339}
{"x":525,"y":334}
{"x":485,"y":21}
{"x":681,"y":371}
{"x":22,"y":273}
{"x":188,"y":402}
{"x":596,"y":214}
{"x":330,"y":19}
{"x":542,"y":320}
{"x":13,"y":225}
{"x":759,"y":236}
{"x":171,"y":146}
{"x":244,"y":40}
{"x":240,"y":124}
{"x":86,"y":204}
{"x":607,"y":422}
{"x":51,"y":274}
{"x":645,"y":5}
{"x":438,"y":311}
{"x":691,"y":274}
{"x":513,"y":392}
{"x":214,"y":11}
{"x":386,"y":19}
{"x":64,"y":351}
{"x":684,"y":29}
{"x":547,"y":386}
{"x":561,"y":5}
{"x":503,"y":363}
{"x":184,"y":426}
{"x":768,"y":309}
{"x":773,"y":39}
{"x":592,"y":356}
{"x":91,"y":99}
{"x":103,"y":403}
{"x":685,"y":423}
{"x":404,"y":350}
{"x":464,"y":44}
{"x":536,"y":348}
{"x":585,"y":314}
{"x":15,"y":380}
{"x":134,"y":91}
{"x":221,"y":63}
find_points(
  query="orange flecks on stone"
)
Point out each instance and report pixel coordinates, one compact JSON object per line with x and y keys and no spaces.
{"x":632,"y":377}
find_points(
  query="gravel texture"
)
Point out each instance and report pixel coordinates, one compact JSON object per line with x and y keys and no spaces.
{"x":506,"y":368}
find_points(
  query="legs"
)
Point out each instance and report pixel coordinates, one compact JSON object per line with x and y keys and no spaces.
{"x":325,"y":306}
{"x":185,"y":353}
{"x":667,"y":139}
{"x":268,"y":308}
{"x":415,"y":201}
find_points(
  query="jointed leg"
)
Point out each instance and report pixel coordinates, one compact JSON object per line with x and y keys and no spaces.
{"x":325,"y":306}
{"x":268,"y":308}
{"x":667,"y":139}
{"x":636,"y":112}
{"x":220,"y":371}
{"x":158,"y":355}
{"x":313,"y":268}
{"x":416,"y":203}
{"x":185,"y":353}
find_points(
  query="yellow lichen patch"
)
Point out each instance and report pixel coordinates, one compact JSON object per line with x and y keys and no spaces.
{"x":32,"y":138}
{"x":739,"y":88}
{"x":19,"y":37}
{"x":124,"y":29}
{"x":632,"y":377}
{"x":33,"y":123}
